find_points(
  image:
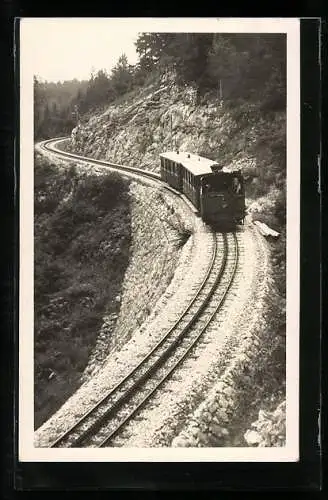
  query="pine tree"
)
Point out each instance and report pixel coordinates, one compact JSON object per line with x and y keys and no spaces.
{"x":121,"y":77}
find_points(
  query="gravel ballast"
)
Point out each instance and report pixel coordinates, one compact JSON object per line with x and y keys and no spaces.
{"x":189,"y":272}
{"x":188,"y":411}
{"x":195,"y":410}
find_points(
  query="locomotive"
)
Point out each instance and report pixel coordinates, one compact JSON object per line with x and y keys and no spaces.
{"x":217,"y":194}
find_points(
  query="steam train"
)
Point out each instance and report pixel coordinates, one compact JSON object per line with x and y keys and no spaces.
{"x":217,"y":194}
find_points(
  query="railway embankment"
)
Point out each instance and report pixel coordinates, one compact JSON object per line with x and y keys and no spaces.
{"x":158,"y":231}
{"x":237,"y":371}
{"x":82,"y":235}
{"x":189,"y":268}
{"x":246,"y":387}
{"x":108,"y":269}
{"x":227,"y":417}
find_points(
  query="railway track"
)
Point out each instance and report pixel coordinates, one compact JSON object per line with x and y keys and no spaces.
{"x":106,"y":419}
{"x":50,"y":146}
{"x":110,"y":415}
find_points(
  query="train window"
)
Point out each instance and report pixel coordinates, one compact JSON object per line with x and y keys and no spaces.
{"x":236,"y":185}
{"x":221,"y":183}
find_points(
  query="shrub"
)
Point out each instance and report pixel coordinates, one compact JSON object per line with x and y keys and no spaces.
{"x":75,"y":284}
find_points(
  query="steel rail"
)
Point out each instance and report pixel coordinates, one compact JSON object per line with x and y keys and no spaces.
{"x":151,"y":353}
{"x":67,"y":433}
{"x":48,"y":146}
{"x":165,"y":377}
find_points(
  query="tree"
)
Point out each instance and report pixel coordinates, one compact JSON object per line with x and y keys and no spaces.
{"x":186,"y":53}
{"x":98,"y":90}
{"x":53,"y":103}
{"x":54,"y":110}
{"x":121,"y":76}
{"x":251,"y":66}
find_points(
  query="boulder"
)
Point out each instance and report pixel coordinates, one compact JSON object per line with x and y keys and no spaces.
{"x":252,"y":438}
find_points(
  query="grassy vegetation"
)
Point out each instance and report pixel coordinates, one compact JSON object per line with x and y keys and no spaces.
{"x":82,"y":241}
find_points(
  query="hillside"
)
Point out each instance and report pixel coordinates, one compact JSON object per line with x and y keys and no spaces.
{"x":243,"y":127}
{"x":162,"y":115}
{"x":54,"y":106}
{"x":103,"y":258}
{"x":135,"y":130}
{"x":76,"y":276}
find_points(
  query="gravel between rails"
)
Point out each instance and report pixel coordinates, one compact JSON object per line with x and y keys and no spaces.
{"x":169,"y":412}
{"x":193,"y":260}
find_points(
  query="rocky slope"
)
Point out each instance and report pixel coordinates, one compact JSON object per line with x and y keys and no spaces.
{"x":159,"y":233}
{"x":133,"y":132}
{"x":163,"y":116}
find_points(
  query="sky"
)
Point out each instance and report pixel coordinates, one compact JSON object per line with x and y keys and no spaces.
{"x":58,"y":49}
{"x":64,"y":50}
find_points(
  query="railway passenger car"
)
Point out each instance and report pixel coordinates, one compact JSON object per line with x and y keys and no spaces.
{"x":217,"y":194}
{"x":171,"y":170}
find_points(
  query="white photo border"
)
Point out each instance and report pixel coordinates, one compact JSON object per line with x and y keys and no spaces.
{"x":26,"y":450}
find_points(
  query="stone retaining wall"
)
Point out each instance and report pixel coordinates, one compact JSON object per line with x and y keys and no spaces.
{"x":211,"y":423}
{"x":157,"y":232}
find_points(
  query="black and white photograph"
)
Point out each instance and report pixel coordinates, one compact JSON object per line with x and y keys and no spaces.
{"x":159,"y":229}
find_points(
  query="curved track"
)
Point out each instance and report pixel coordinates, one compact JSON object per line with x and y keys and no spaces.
{"x":106,"y":419}
{"x":50,"y":146}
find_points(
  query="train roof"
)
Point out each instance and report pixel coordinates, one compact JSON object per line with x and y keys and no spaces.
{"x":196,"y":164}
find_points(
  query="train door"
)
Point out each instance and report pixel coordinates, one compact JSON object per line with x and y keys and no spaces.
{"x":193,"y":189}
{"x":179,"y":176}
{"x":184,"y":179}
{"x":162,"y":168}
